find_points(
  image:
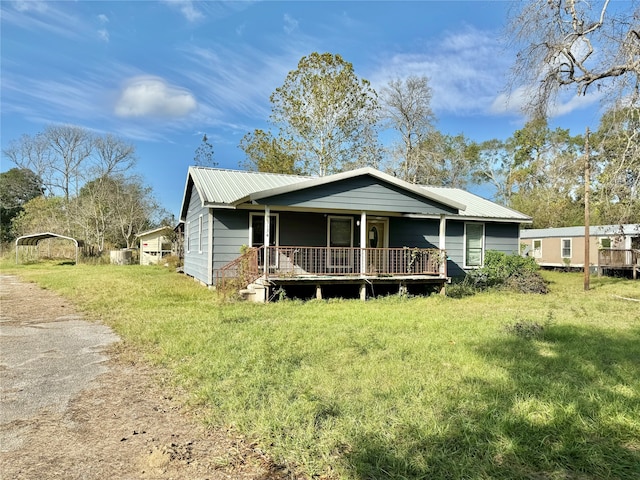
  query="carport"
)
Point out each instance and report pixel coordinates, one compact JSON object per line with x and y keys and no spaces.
{"x":33,"y":240}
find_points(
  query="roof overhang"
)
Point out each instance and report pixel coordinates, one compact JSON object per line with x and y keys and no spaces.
{"x":316,"y":182}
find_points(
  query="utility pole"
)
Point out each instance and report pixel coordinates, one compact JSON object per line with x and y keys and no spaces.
{"x":587,"y":181}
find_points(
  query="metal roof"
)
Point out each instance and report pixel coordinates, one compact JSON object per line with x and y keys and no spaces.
{"x":232,"y":187}
{"x":596,"y":230}
{"x":35,"y":238}
{"x":478,"y":207}
{"x":217,"y":186}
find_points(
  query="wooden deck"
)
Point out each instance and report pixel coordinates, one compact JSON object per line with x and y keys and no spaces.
{"x":613,"y":259}
{"x":320,"y":267}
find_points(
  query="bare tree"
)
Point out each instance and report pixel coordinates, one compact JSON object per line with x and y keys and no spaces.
{"x":406,"y":108}
{"x":65,"y":157}
{"x":112,"y":155}
{"x":570,"y":43}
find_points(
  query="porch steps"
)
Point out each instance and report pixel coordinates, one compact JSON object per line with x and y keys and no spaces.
{"x":254,"y":293}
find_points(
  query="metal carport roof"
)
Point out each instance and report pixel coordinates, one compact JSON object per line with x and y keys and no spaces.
{"x":35,"y":238}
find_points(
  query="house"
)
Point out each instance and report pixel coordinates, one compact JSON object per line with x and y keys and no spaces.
{"x":360,"y":229}
{"x":155,"y":244}
{"x":611,"y":247}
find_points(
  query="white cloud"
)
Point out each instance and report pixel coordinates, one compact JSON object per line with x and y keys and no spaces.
{"x":466,"y":69}
{"x":153,"y":97}
{"x":103,"y":34}
{"x":566,"y":103}
{"x":290,"y":24}
{"x":187,"y":8}
{"x":102,"y":18}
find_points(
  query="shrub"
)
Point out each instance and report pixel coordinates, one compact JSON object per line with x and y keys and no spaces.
{"x":510,"y":271}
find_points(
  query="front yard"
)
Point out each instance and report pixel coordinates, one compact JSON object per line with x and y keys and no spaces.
{"x":498,"y":385}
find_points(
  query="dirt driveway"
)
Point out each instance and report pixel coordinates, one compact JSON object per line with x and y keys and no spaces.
{"x":74,"y":404}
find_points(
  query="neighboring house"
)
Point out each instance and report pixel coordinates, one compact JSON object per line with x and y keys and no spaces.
{"x":155,"y":244}
{"x":361,"y":227}
{"x":611,"y":247}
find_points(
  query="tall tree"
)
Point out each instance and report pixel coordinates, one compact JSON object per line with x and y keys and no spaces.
{"x":324,"y":115}
{"x":66,"y":157}
{"x":406,"y":108}
{"x":265,"y":153}
{"x":537,"y":171}
{"x":17,"y":187}
{"x":616,"y":146}
{"x":584,"y":45}
{"x":204,"y":154}
{"x":446,"y":160}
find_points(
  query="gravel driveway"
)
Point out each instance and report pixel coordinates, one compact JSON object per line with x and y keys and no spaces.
{"x":77,"y":404}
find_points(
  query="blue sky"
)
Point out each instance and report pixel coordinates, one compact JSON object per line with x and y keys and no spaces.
{"x":161,"y":74}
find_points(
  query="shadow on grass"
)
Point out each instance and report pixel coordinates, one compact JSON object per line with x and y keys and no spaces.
{"x":569,"y":408}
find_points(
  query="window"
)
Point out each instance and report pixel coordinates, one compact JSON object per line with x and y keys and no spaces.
{"x":537,"y":248}
{"x":474,"y":244}
{"x":605,"y":242}
{"x":200,"y":234}
{"x":340,"y":238}
{"x":188,"y":235}
{"x":566,"y":248}
{"x":340,"y":231}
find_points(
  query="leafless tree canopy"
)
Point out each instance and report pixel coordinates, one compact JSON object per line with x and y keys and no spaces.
{"x":580,"y":44}
{"x":406,"y":108}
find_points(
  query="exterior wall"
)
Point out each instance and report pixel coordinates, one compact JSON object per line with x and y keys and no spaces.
{"x":304,"y":229}
{"x":502,"y":237}
{"x":552,"y":251}
{"x":230,"y":233}
{"x":413,"y":232}
{"x":360,"y":193}
{"x":196,"y":259}
{"x":151,"y":248}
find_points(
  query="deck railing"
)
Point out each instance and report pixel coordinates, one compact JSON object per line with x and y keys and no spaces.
{"x":241,"y":272}
{"x":609,"y":257}
{"x":354,"y":261}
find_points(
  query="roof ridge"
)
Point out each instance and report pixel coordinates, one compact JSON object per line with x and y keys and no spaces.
{"x":253,"y":172}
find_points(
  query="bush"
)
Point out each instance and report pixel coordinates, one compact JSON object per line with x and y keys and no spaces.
{"x":509,"y":271}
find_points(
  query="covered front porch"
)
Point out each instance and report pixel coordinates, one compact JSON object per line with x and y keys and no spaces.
{"x":321,"y":267}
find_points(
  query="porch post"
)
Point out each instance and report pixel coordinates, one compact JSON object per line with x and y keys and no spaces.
{"x":442,"y":243}
{"x":267,"y":228}
{"x":363,"y":243}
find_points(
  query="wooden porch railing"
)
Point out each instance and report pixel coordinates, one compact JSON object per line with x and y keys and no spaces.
{"x":348,"y":261}
{"x":241,"y":272}
{"x":612,"y":258}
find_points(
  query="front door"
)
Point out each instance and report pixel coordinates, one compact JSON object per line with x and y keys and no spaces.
{"x":256,"y":236}
{"x":377,"y":239}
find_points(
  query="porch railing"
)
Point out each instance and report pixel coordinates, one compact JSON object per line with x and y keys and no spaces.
{"x":241,"y":272}
{"x":609,"y":257}
{"x":348,"y":261}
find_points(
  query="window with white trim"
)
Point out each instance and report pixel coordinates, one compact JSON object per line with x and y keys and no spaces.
{"x":566,"y":248}
{"x":605,"y":242}
{"x":537,"y":248}
{"x":188,"y":237}
{"x":200,"y":234}
{"x":473,"y":244}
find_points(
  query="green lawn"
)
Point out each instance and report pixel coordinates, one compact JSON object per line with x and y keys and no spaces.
{"x":395,"y":388}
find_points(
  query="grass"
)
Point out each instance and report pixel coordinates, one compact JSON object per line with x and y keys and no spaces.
{"x":393,"y":387}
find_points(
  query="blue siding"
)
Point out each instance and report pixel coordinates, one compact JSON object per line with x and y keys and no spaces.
{"x":303,"y":229}
{"x":360,"y":193}
{"x":230,"y":233}
{"x":413,"y":232}
{"x":455,"y":248}
{"x":196,"y":261}
{"x":502,"y":237}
